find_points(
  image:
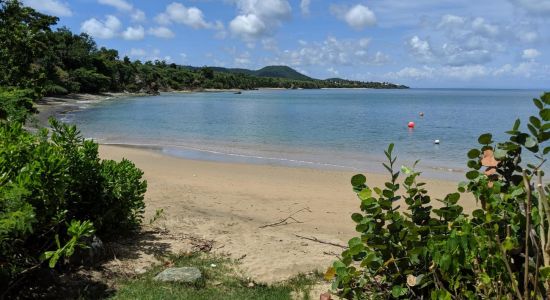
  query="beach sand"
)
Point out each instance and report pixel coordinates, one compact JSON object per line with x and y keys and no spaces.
{"x":228,"y":203}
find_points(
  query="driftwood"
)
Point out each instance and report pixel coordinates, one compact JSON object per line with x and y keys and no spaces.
{"x":285,"y":221}
{"x":314,"y":239}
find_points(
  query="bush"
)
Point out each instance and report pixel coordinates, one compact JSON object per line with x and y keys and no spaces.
{"x":54,"y":190}
{"x":16,"y":104}
{"x":501,"y":251}
{"x":54,"y":89}
{"x":90,"y":81}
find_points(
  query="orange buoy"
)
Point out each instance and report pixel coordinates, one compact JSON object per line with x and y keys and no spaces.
{"x":411,"y":124}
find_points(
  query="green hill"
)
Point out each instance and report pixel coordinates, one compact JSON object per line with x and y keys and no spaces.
{"x":281,"y":72}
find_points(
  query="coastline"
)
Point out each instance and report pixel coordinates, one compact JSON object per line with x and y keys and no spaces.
{"x":229,"y":202}
{"x":58,"y":105}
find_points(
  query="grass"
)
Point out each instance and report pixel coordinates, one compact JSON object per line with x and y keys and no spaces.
{"x":220,"y":282}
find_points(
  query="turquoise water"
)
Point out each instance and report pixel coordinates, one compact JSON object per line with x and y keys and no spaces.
{"x":321,"y":128}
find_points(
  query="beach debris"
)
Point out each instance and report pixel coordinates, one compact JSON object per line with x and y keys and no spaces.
{"x":411,"y":124}
{"x":213,"y":265}
{"x":421,"y":114}
{"x":436,"y":142}
{"x":285,"y":221}
{"x":251,"y":284}
{"x":183,"y":275}
{"x":201,"y":245}
{"x":314,"y":239}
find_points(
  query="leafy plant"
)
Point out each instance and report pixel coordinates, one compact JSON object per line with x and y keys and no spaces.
{"x":501,"y":251}
{"x":53,"y":187}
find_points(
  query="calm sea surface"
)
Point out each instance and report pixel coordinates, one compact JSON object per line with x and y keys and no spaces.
{"x":319,"y":128}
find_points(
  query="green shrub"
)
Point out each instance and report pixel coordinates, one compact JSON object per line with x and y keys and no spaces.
{"x":54,"y":190}
{"x":501,"y":251}
{"x":16,"y":104}
{"x":54,"y":89}
{"x":90,"y":81}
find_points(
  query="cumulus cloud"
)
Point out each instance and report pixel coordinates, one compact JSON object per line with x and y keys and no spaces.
{"x":460,"y":41}
{"x":464,"y":73}
{"x":248,"y":26}
{"x":304,"y":6}
{"x":190,"y":16}
{"x":106,"y":29}
{"x":359,"y":17}
{"x":331,"y":52}
{"x":136,"y":15}
{"x":258,"y":18}
{"x":530,"y":54}
{"x":420,"y":48}
{"x":55,"y":7}
{"x":134,"y":33}
{"x":148,"y":55}
{"x":118,"y":4}
{"x":533,"y":6}
{"x":161,"y":32}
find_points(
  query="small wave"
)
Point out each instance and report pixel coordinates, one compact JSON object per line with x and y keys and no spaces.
{"x":268,"y":158}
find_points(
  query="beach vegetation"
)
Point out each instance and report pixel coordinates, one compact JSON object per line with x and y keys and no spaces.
{"x":55,"y":194}
{"x":409,"y":247}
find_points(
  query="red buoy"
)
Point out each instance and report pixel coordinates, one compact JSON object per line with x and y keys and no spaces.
{"x":411,"y":124}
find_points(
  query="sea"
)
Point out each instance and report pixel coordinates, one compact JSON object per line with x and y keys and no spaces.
{"x":344,"y":129}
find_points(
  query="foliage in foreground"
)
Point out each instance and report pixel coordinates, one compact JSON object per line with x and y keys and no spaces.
{"x":501,"y":251}
{"x":54,"y":192}
{"x":220,"y":282}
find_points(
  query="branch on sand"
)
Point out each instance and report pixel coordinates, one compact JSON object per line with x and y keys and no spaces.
{"x":314,"y":239}
{"x":285,"y":221}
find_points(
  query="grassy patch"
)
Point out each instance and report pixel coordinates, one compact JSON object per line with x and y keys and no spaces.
{"x":220,"y":282}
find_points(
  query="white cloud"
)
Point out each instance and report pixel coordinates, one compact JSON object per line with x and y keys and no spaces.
{"x":118,"y":4}
{"x":161,"y":32}
{"x":55,"y":7}
{"x":106,"y":29}
{"x":148,"y":55}
{"x":259,"y":18}
{"x":134,"y":33}
{"x":331,"y":52}
{"x":190,"y":16}
{"x":248,"y":26}
{"x":420,"y":48}
{"x":359,"y":17}
{"x":304,"y":6}
{"x":138,"y":16}
{"x":450,"y":21}
{"x":530,"y":54}
{"x":528,"y":36}
{"x":534,"y":6}
{"x":137,"y":52}
{"x":464,"y":73}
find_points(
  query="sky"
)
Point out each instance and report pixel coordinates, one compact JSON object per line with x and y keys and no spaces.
{"x":420,"y":43}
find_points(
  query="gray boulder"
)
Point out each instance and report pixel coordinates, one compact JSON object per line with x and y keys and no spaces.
{"x":183,"y":275}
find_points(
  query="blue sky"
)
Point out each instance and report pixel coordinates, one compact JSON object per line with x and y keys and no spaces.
{"x":421,"y":43}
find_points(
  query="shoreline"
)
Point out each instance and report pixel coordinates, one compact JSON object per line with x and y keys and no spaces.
{"x":230,"y":202}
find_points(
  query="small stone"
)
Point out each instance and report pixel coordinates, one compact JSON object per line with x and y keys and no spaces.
{"x":251,"y":284}
{"x":213,"y":265}
{"x":184,"y":274}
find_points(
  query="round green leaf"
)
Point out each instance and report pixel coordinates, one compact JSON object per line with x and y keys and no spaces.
{"x":472,"y":175}
{"x":485,"y":139}
{"x":474,"y":153}
{"x":358,"y":180}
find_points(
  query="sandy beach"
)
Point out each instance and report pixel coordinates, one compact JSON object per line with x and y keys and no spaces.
{"x":229,"y":203}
